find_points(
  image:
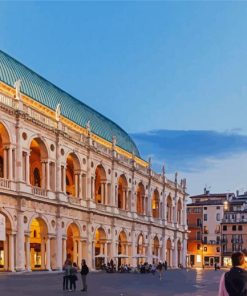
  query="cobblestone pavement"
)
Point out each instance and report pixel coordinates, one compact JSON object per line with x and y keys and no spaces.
{"x":174,"y":282}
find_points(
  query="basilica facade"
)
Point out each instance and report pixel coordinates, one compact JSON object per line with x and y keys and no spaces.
{"x":72,"y":183}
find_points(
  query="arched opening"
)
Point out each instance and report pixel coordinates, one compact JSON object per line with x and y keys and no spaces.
{"x":38,"y":246}
{"x":122,"y":248}
{"x":100,"y":185}
{"x":5,"y":153}
{"x":156,"y":204}
{"x":140,"y":203}
{"x":38,"y":164}
{"x":72,"y":175}
{"x":155,"y":250}
{"x":100,"y":250}
{"x":168,"y":251}
{"x":72,"y":243}
{"x":169,"y":209}
{"x":6,"y":244}
{"x":179,"y":252}
{"x":179,"y":212}
{"x":141,"y":255}
{"x":122,"y":192}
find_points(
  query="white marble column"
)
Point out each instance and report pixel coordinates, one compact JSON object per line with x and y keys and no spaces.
{"x":42,"y":254}
{"x":184,"y":253}
{"x":48,"y":253}
{"x":59,"y":245}
{"x":10,"y":164}
{"x":28,"y":266}
{"x":76,"y":185}
{"x":47,"y":167}
{"x":5,"y":248}
{"x":175,"y":254}
{"x":64,"y":249}
{"x":20,"y":253}
{"x":64,"y":179}
{"x":27,"y":158}
{"x":149,"y":249}
{"x":11,"y":252}
{"x":5,"y":163}
{"x":79,"y":252}
{"x":92,"y":188}
{"x":75,"y":250}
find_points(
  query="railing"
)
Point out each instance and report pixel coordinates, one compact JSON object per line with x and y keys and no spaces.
{"x":39,"y":191}
{"x":4,"y":183}
{"x":100,"y":207}
{"x":8,"y":101}
{"x":74,"y":200}
{"x":39,"y":117}
{"x":103,"y":149}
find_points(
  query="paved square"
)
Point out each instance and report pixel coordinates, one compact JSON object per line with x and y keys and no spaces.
{"x":174,"y":282}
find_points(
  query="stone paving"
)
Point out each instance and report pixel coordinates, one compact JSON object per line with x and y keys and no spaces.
{"x":174,"y":283}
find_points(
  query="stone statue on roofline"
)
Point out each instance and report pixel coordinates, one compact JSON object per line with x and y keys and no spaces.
{"x":58,"y":112}
{"x":88,"y":126}
{"x":176,"y":177}
{"x":114,"y":141}
{"x":17,"y":86}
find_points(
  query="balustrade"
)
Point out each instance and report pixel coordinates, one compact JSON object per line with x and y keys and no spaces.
{"x":39,"y":191}
{"x":4,"y":183}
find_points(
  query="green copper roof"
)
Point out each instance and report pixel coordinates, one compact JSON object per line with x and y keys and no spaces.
{"x":46,"y":93}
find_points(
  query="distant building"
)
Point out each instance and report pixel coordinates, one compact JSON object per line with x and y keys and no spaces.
{"x":205,"y":214}
{"x":234,"y":227}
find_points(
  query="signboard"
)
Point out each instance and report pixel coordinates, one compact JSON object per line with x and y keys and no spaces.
{"x":2,"y":228}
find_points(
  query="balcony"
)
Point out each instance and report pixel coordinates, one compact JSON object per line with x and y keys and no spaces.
{"x":39,"y":191}
{"x":4,"y":183}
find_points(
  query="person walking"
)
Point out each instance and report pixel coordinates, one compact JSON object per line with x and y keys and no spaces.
{"x":234,"y":282}
{"x":165,"y":265}
{"x":84,"y":272}
{"x":159,"y":269}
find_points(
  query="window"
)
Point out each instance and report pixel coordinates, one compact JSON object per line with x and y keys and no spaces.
{"x":218,"y":249}
{"x":218,"y":240}
{"x":234,"y":228}
{"x":198,"y":235}
{"x":205,"y":249}
{"x":218,"y":217}
{"x":198,"y":246}
{"x":205,"y":208}
{"x":205,"y":240}
{"x":224,"y":227}
{"x":240,"y":227}
{"x":205,"y":229}
{"x":218,"y":207}
{"x":205,"y":217}
{"x":199,"y":222}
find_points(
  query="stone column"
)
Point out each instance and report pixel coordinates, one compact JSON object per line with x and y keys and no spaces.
{"x":47,"y":166}
{"x":27,"y":168}
{"x":163,"y":250}
{"x":76,"y":185}
{"x":64,"y":250}
{"x":175,"y":254}
{"x":48,"y":253}
{"x":93,"y":253}
{"x":92,"y":188}
{"x":75,"y":250}
{"x":20,"y":254}
{"x":11,"y":252}
{"x":149,"y":249}
{"x":10,"y":164}
{"x":184,"y":252}
{"x":5,"y":163}
{"x":165,"y":208}
{"x":64,"y":179}
{"x":102,"y":192}
{"x":79,"y":252}
{"x":5,"y":248}
{"x":18,"y":159}
{"x":79,"y":186}
{"x":42,"y":253}
{"x":184,"y":216}
{"x":28,"y":267}
{"x":59,"y":245}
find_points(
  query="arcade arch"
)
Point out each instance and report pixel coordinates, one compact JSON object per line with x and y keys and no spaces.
{"x":155,"y":250}
{"x":100,"y":248}
{"x":38,"y":246}
{"x":100,"y":185}
{"x":122,"y":193}
{"x":169,"y":209}
{"x":72,"y":175}
{"x":6,"y":244}
{"x":156,"y":204}
{"x":122,"y":248}
{"x":6,"y":164}
{"x":73,"y":246}
{"x":168,"y":251}
{"x":179,"y":212}
{"x":140,"y":202}
{"x":38,"y":161}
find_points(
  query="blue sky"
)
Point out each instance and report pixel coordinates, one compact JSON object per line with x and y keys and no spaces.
{"x":173,"y":74}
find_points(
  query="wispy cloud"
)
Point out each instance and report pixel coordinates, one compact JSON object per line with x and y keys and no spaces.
{"x":189,"y":151}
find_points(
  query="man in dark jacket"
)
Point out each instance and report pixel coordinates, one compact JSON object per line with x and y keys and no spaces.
{"x":236,"y":278}
{"x":84,"y":272}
